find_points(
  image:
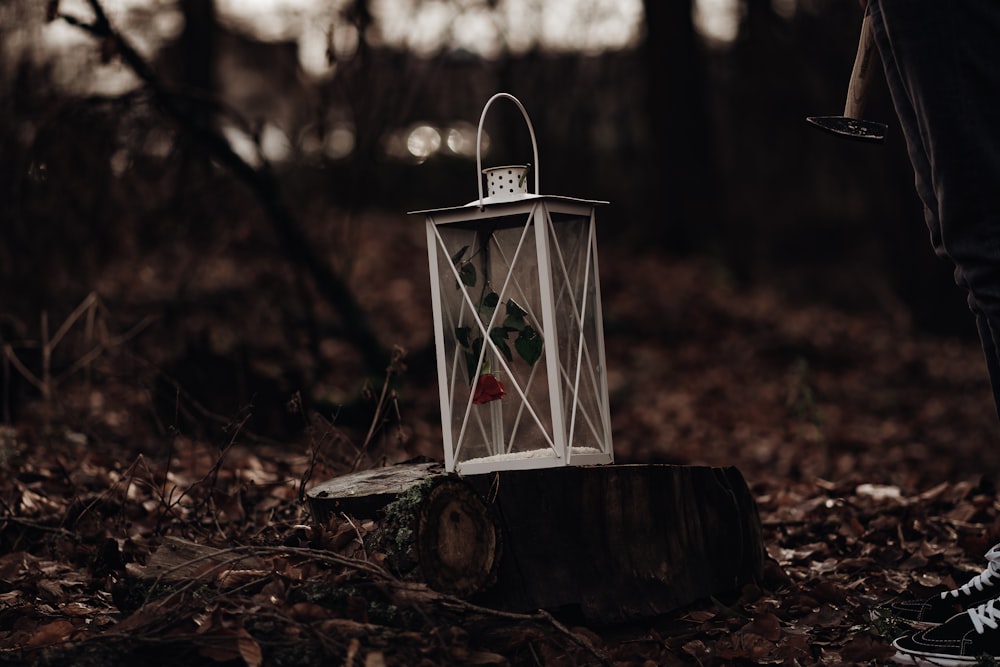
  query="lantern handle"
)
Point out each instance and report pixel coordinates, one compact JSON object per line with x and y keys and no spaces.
{"x":479,"y":141}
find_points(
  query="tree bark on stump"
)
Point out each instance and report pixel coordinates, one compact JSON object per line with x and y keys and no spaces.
{"x":613,"y":541}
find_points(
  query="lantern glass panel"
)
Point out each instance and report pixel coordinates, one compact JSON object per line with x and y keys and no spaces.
{"x":580,"y":343}
{"x":491,"y":309}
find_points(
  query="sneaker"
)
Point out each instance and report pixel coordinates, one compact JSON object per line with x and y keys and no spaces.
{"x":969,"y":638}
{"x":939,"y":608}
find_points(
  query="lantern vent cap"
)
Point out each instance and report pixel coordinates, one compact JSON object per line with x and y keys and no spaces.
{"x":507,"y":184}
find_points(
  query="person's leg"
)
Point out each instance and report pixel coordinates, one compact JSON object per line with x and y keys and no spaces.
{"x":990,"y":339}
{"x":942,"y":65}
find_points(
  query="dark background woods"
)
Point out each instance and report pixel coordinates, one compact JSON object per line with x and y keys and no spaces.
{"x":240,"y":282}
{"x":191,"y":335}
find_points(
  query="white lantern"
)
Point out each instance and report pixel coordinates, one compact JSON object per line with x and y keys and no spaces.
{"x":518,"y":325}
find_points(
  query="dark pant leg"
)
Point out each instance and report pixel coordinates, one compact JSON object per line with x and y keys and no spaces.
{"x":942,"y":65}
{"x":989,"y":338}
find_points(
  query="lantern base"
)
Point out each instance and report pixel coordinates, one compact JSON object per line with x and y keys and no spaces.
{"x":536,"y":458}
{"x":614,"y":541}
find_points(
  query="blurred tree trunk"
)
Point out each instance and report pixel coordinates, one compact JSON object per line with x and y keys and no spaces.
{"x":362,"y":92}
{"x":682,"y":175}
{"x":196,"y":83}
{"x":198,"y":45}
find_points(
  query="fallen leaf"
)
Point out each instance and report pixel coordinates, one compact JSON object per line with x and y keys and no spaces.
{"x":50,"y":633}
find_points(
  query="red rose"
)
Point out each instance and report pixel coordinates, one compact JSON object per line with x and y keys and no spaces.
{"x":488,"y":388}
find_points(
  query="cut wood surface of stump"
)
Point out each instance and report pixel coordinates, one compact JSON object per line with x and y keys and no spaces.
{"x":363,"y":494}
{"x":613,"y":541}
{"x":458,"y":542}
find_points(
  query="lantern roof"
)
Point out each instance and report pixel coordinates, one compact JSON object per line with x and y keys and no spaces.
{"x":511,"y":204}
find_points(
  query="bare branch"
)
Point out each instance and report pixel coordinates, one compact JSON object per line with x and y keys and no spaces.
{"x":261,"y":182}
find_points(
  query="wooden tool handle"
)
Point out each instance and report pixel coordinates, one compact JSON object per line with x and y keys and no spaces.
{"x":865,"y":64}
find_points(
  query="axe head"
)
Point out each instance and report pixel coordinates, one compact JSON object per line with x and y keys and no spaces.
{"x":850,"y":128}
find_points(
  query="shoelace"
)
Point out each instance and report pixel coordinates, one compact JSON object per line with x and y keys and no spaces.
{"x":984,"y":578}
{"x":984,"y":615}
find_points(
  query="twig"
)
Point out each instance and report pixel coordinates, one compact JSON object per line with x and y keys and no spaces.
{"x":192,"y":402}
{"x":316,"y":448}
{"x":46,"y":373}
{"x":540,"y":616}
{"x":47,"y":383}
{"x":88,"y":337}
{"x":96,"y":351}
{"x":379,"y":416}
{"x":212,"y":475}
{"x":88,"y":302}
{"x":357,"y":532}
{"x":28,"y":523}
{"x":233,"y":555}
{"x":575,"y":638}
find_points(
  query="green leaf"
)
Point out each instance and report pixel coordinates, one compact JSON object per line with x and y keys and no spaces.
{"x":499,"y":333}
{"x":462,"y":334}
{"x":515,"y":323}
{"x":529,"y":345}
{"x":515,"y":316}
{"x":467,"y":272}
{"x":499,"y":337}
{"x":488,"y":305}
{"x":457,"y":257}
{"x":514,"y":310}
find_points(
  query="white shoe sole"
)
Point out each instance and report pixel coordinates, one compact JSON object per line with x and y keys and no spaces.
{"x":930,"y":660}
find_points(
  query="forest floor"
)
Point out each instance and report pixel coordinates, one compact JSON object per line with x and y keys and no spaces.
{"x":199,"y":398}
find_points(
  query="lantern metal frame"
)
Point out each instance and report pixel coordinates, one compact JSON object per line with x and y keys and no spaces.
{"x":573,"y":427}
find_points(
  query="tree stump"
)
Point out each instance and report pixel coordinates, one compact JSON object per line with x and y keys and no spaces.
{"x":613,"y":541}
